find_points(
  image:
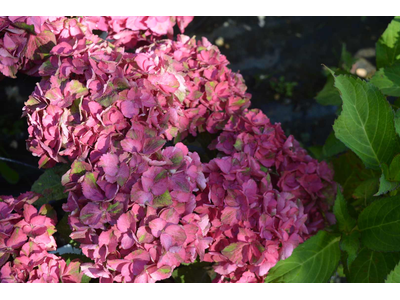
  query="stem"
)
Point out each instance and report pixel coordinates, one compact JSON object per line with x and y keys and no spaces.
{"x":19,"y":162}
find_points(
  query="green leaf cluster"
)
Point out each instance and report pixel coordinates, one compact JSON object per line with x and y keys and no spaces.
{"x":364,"y":150}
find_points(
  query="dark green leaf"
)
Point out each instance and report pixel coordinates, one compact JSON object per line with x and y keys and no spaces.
{"x":333,"y":146}
{"x":346,"y":59}
{"x":29,"y":28}
{"x":49,"y":185}
{"x":394,"y":169}
{"x":379,"y":224}
{"x":371,"y":266}
{"x":345,"y":222}
{"x":386,"y":186}
{"x":350,"y":244}
{"x":388,"y":45}
{"x":366,"y":123}
{"x":63,"y":229}
{"x":350,"y":172}
{"x":315,"y":152}
{"x":394,"y":276}
{"x":68,"y":257}
{"x":8,"y":174}
{"x":313,"y":261}
{"x":198,"y":272}
{"x":366,"y":190}
{"x":397,"y":121}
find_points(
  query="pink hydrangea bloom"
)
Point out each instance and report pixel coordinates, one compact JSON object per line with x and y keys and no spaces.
{"x":179,"y":88}
{"x":26,"y":236}
{"x":140,"y":208}
{"x":26,"y":42}
{"x":132,"y":209}
{"x":265,"y":195}
{"x":129,"y":31}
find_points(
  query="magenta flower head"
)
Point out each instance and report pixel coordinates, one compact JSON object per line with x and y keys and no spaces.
{"x":259,"y":212}
{"x":132,"y":209}
{"x":179,"y":88}
{"x":138,"y":206}
{"x":129,"y":31}
{"x":26,"y":236}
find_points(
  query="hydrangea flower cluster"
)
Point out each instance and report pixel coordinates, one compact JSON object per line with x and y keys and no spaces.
{"x":26,"y":236}
{"x":265,"y":195}
{"x":131,"y":31}
{"x":138,"y":206}
{"x":132,"y":209}
{"x":26,"y":43}
{"x":178,"y":87}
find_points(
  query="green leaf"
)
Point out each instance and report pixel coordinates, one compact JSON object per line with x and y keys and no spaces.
{"x":313,"y":261}
{"x":394,"y":276}
{"x":49,"y":185}
{"x":29,"y":28}
{"x":394,"y":169}
{"x":85,"y":279}
{"x":388,"y":45}
{"x":8,"y":174}
{"x":198,"y":272}
{"x":350,"y":244}
{"x":345,"y":222}
{"x":366,"y":123}
{"x":332,"y":146}
{"x":386,"y":186}
{"x":329,"y":95}
{"x":371,"y":266}
{"x":316,"y":152}
{"x":388,"y":80}
{"x":68,"y":257}
{"x":366,"y":190}
{"x":346,"y":59}
{"x":379,"y":224}
{"x":63,"y":229}
{"x":350,"y":172}
{"x":397,"y":121}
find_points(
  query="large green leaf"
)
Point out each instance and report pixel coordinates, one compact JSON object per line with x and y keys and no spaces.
{"x":49,"y":185}
{"x":379,"y":224}
{"x":388,"y":80}
{"x":313,"y":261}
{"x":372,"y":266}
{"x":394,"y":276}
{"x":388,"y":45}
{"x":344,"y":220}
{"x":366,"y":123}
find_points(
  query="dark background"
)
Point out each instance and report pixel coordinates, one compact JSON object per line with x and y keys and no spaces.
{"x":279,"y":57}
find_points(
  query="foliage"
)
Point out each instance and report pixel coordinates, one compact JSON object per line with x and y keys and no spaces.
{"x":367,"y":206}
{"x":48,"y":185}
{"x":313,"y":261}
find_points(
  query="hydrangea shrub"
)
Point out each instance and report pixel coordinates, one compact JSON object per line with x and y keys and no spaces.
{"x":118,"y":107}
